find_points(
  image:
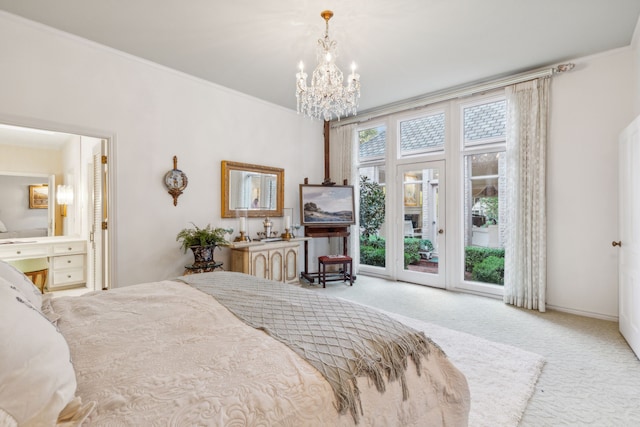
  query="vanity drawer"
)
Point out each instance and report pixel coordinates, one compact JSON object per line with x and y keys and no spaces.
{"x":68,"y":248}
{"x":65,"y":277}
{"x":68,"y":261}
{"x":23,"y":251}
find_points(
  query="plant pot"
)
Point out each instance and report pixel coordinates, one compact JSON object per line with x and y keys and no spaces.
{"x":203,"y":255}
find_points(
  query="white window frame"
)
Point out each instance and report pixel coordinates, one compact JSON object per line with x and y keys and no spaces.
{"x":371,"y":159}
{"x":484,"y":146}
{"x":372,"y":162}
{"x":452,"y":153}
{"x":413,"y":116}
{"x":480,"y":142}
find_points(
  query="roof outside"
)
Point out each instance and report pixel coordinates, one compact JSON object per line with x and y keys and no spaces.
{"x":485,"y":121}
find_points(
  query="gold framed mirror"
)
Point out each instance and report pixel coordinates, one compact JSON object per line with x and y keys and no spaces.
{"x":258,"y":190}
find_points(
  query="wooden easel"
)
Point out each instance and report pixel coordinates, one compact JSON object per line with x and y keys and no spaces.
{"x":320,"y":231}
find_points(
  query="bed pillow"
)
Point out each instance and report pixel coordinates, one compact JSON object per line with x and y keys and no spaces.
{"x":37,"y":379}
{"x":12,"y":275}
{"x":3,"y":228}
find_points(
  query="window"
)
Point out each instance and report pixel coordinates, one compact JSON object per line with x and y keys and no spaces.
{"x":372,"y":181}
{"x":408,"y":157}
{"x":372,"y":143}
{"x":484,"y":170}
{"x":485,"y":123}
{"x":422,"y":134}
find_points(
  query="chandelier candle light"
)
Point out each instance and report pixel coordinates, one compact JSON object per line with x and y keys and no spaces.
{"x":327,"y":96}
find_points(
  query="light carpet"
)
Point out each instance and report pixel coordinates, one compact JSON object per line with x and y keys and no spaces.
{"x":501,"y":378}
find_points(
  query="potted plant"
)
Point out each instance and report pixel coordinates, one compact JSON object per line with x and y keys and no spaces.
{"x":202,"y":242}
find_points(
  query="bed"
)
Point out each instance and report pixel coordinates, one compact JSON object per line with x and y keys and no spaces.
{"x":230,"y":349}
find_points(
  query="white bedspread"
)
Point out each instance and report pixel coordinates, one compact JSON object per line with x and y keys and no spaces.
{"x":164,"y":353}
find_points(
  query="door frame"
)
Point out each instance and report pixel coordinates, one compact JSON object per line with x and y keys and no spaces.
{"x":629,"y":235}
{"x":109,"y":262}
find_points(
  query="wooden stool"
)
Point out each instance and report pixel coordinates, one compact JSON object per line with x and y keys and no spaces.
{"x":325,"y":260}
{"x":39,"y":278}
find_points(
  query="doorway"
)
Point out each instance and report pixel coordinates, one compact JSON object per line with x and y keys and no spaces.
{"x":421,"y":224}
{"x":71,"y":158}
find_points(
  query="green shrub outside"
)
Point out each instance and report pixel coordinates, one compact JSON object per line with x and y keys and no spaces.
{"x":411,"y":249}
{"x":372,"y":250}
{"x":486,"y":265}
{"x":373,"y":241}
{"x":370,"y":255}
{"x":426,"y":245}
{"x":474,"y":255}
{"x":490,"y":270}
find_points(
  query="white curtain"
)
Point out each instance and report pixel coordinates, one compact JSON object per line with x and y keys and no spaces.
{"x":525,"y":246}
{"x":341,"y":154}
{"x":341,"y":167}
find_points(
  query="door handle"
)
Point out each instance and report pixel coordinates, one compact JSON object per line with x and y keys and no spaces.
{"x":614,"y":243}
{"x":441,"y":231}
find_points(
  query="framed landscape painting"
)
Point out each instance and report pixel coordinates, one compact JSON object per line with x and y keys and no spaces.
{"x":38,"y":196}
{"x":323,"y":205}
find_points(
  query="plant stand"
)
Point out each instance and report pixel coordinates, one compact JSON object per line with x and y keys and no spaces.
{"x":201,"y":268}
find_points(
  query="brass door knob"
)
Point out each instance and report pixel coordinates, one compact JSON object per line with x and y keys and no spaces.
{"x":614,"y":244}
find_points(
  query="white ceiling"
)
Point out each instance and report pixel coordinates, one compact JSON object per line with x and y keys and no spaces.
{"x":33,"y":138}
{"x":403,"y":48}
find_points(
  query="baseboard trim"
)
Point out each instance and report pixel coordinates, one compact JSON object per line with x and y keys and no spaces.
{"x":583,"y":313}
{"x":458,"y":289}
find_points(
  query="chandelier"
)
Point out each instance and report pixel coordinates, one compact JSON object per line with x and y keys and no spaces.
{"x":327,"y":96}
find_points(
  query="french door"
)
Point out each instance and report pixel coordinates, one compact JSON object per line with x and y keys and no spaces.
{"x":421,"y":224}
{"x":97,"y":269}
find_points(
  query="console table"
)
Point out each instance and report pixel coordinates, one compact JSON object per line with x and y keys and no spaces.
{"x":275,"y":260}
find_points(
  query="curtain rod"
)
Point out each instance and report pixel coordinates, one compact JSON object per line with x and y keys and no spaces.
{"x":448,"y":94}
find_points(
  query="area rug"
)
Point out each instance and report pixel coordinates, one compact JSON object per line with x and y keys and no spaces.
{"x":501,"y":378}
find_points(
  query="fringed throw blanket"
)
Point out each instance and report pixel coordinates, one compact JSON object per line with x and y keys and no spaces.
{"x":342,"y":340}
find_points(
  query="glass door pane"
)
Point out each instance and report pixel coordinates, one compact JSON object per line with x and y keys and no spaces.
{"x":484,"y":225}
{"x":421,"y":243}
{"x":372,"y":218}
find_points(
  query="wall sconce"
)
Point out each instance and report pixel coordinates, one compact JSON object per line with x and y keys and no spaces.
{"x":64,"y":196}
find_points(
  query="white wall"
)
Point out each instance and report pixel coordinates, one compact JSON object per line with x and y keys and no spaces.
{"x":15,"y":213}
{"x":153,"y":113}
{"x":635,"y":45}
{"x":19,"y":159}
{"x":589,"y":107}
